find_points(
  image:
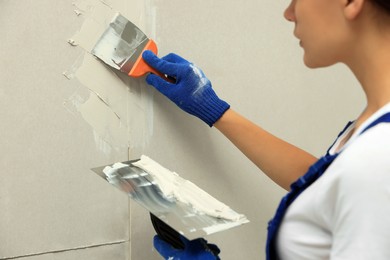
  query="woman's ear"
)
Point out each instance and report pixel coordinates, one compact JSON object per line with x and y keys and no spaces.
{"x":352,"y":8}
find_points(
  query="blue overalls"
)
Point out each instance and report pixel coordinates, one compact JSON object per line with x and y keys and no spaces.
{"x":314,"y":172}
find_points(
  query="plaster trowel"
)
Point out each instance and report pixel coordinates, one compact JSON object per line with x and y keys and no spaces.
{"x":121,"y":46}
{"x":177,"y":206}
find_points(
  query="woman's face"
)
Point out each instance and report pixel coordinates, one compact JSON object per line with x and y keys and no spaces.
{"x":321,"y":27}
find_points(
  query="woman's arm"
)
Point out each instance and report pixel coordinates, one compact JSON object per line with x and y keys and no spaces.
{"x":279,"y":160}
{"x":192,"y":92}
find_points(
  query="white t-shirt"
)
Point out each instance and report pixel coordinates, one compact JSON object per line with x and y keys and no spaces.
{"x":345,"y":214}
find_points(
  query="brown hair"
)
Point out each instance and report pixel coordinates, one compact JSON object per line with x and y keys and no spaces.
{"x":383,"y":4}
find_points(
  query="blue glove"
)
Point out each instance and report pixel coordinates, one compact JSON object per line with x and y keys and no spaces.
{"x":197,"y":249}
{"x":191,"y":90}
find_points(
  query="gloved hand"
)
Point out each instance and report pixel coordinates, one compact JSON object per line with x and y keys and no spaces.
{"x":191,"y":90}
{"x":197,"y":249}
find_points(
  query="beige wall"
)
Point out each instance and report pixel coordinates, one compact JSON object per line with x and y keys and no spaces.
{"x":53,"y":207}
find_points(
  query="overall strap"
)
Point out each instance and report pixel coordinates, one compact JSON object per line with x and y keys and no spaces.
{"x":382,"y":119}
{"x":314,"y":172}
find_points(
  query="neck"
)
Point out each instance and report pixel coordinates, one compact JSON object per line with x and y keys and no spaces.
{"x":371,"y":66}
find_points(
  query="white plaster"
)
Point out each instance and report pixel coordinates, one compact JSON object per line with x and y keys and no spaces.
{"x":151,"y":23}
{"x":110,"y":170}
{"x":73,"y":103}
{"x":92,"y":28}
{"x":78,"y":12}
{"x":202,"y":82}
{"x":67,"y":75}
{"x":220,"y":227}
{"x":175,"y":188}
{"x":70,"y":73}
{"x":120,"y":111}
{"x":72,"y":42}
{"x":101,"y":144}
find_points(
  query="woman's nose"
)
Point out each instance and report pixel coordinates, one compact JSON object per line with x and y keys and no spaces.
{"x":289,"y":13}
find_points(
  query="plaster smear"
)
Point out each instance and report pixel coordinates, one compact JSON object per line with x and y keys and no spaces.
{"x":119,"y":108}
{"x":175,"y":188}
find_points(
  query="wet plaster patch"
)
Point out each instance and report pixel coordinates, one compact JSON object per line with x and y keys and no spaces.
{"x":119,"y":109}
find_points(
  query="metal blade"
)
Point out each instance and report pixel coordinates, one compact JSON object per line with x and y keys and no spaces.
{"x":140,"y":186}
{"x":121,"y":44}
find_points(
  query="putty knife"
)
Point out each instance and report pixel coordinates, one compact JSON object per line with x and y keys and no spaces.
{"x":121,"y":46}
{"x":142,"y":187}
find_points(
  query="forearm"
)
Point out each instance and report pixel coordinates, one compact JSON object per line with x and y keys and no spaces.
{"x":193,"y":93}
{"x":279,"y":160}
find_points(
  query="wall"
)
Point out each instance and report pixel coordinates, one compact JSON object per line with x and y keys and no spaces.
{"x":63,"y":112}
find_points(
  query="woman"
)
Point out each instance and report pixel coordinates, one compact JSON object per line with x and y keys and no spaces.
{"x":338,"y":206}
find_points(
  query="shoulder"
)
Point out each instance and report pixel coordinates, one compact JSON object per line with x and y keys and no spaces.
{"x":374,"y":139}
{"x":361,"y":173}
{"x":370,"y":151}
{"x":363,"y":164}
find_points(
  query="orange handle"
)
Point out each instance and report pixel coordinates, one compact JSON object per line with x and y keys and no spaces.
{"x":140,"y":67}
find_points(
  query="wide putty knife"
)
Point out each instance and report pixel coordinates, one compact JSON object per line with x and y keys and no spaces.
{"x":144,"y":187}
{"x":121,"y":46}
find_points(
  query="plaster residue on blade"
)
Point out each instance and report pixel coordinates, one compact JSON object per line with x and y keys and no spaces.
{"x":178,"y":202}
{"x":119,"y":109}
{"x":120,"y":44}
{"x":175,"y":188}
